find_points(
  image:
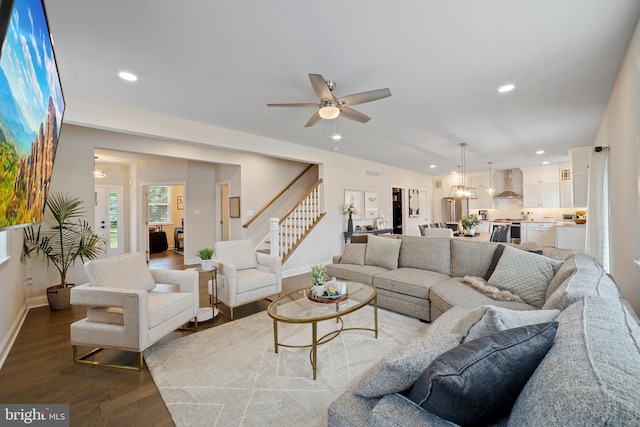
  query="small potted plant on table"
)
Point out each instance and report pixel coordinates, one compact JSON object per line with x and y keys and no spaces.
{"x":318,"y":277}
{"x":205,"y":255}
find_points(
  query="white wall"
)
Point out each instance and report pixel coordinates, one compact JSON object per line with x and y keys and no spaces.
{"x":619,"y":130}
{"x":13,"y":308}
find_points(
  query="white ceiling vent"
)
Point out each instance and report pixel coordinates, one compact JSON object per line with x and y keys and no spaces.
{"x":368,"y":172}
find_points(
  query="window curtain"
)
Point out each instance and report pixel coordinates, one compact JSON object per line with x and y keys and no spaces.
{"x":598,"y":208}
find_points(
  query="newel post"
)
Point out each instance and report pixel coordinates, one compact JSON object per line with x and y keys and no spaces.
{"x":274,"y":236}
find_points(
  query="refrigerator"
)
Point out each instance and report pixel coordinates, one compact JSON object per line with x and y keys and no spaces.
{"x":454,"y":209}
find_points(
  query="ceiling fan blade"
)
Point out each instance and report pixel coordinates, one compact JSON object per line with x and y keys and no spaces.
{"x":350,"y":113}
{"x":361,"y":98}
{"x":294,"y":105}
{"x":320,"y":86}
{"x":313,"y":120}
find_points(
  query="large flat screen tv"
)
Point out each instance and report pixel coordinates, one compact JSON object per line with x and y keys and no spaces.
{"x":31,"y":109}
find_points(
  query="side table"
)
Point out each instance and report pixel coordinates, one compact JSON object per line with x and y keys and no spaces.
{"x":208,"y":313}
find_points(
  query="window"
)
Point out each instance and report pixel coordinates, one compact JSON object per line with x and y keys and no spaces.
{"x":159,"y":199}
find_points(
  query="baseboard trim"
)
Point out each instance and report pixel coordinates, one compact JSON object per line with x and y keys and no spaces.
{"x":10,"y":338}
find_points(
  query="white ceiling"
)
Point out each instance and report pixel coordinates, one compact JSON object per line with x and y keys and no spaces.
{"x":221,"y":62}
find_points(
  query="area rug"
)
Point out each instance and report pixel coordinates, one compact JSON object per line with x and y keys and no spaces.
{"x":230,"y":375}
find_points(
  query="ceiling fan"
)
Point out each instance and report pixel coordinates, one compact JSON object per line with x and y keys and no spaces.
{"x":331,"y":107}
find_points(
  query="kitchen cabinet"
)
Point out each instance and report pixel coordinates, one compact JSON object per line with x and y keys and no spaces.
{"x":566,"y":186}
{"x":540,"y":176}
{"x":485,"y":199}
{"x":571,"y":237}
{"x":541,"y":188}
{"x":580,"y":166}
{"x":541,"y":196}
{"x":542,"y":233}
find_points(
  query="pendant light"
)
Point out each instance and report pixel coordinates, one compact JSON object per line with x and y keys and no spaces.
{"x":461,"y":191}
{"x":491,"y":190}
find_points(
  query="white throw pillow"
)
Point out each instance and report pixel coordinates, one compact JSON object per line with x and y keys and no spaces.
{"x":488,"y":319}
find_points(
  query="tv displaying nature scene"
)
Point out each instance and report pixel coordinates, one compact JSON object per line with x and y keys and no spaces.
{"x":31,"y":109}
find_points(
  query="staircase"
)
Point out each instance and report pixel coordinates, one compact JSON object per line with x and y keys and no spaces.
{"x":287,"y":232}
{"x":293,"y":227}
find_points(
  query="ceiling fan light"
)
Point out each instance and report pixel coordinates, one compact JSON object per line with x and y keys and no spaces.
{"x":329,"y":112}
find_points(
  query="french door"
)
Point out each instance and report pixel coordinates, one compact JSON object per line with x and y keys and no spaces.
{"x":110,"y":218}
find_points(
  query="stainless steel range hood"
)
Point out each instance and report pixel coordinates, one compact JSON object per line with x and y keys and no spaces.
{"x":508,"y":183}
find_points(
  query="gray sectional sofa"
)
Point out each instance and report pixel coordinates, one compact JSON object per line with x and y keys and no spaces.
{"x":589,"y":376}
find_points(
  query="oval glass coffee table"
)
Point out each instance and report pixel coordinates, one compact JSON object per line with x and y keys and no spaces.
{"x":295,"y":307}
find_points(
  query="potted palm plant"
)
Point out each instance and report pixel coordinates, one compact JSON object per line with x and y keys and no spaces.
{"x":70,"y":237}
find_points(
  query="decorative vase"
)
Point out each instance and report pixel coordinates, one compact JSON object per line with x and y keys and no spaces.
{"x":206,"y":264}
{"x":350,"y":225}
{"x":318,"y":290}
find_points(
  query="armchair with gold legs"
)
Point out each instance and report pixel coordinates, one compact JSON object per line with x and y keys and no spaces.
{"x":245,"y":275}
{"x":130,"y":307}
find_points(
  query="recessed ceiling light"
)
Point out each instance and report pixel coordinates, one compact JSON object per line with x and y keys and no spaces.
{"x":506,"y":88}
{"x":337,"y":137}
{"x":545,"y":163}
{"x":432,"y":166}
{"x":127,"y":76}
{"x":540,"y":152}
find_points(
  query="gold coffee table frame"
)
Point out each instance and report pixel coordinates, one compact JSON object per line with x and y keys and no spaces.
{"x":295,"y":307}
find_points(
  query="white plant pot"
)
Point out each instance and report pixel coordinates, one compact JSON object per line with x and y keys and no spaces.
{"x":471,"y":231}
{"x":206,"y":264}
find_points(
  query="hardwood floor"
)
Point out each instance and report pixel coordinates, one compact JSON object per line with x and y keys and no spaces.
{"x":40,"y":370}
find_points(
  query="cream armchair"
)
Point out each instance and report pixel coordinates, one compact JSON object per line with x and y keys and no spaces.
{"x":130,"y":306}
{"x":245,"y":275}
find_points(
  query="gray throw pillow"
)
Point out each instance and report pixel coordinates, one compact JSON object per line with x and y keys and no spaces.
{"x":488,"y":319}
{"x":353,"y":254}
{"x":476,"y":382}
{"x":383,"y":252}
{"x":398,"y":370}
{"x":524,"y":274}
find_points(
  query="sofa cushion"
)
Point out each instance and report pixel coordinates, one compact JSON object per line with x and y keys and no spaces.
{"x":408,"y":281}
{"x":426,"y":253}
{"x":470,"y":258}
{"x":383,"y":252}
{"x":355,"y":273}
{"x":453,"y":293}
{"x":489,"y":319}
{"x":353,"y":254}
{"x":479,"y":380}
{"x":129,"y":271}
{"x":397,"y":371}
{"x":591,"y":375}
{"x":588,"y":279}
{"x":525,"y":274}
